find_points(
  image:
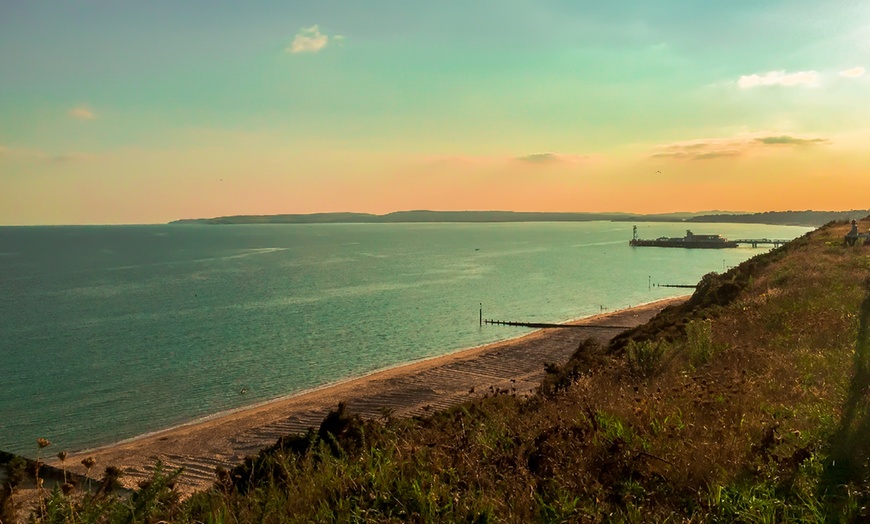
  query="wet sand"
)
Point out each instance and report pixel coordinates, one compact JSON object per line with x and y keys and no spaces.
{"x":413,"y":389}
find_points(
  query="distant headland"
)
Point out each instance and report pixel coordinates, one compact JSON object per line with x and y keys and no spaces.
{"x":790,"y":218}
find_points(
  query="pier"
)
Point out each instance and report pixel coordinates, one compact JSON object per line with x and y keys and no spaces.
{"x":692,"y":241}
{"x":755,"y":242}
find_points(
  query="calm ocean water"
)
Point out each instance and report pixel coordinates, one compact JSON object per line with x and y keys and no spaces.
{"x":110,"y":332}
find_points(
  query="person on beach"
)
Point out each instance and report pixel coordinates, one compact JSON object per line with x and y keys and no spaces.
{"x":852,"y":235}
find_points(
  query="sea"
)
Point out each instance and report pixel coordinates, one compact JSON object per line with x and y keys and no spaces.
{"x":111,"y":332}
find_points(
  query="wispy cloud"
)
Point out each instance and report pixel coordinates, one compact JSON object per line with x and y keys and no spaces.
{"x":82,"y":113}
{"x":717,"y":148}
{"x":855,"y":72}
{"x":309,"y":40}
{"x":791,"y":141}
{"x":551,"y":158}
{"x":698,"y":155}
{"x":701,"y":149}
{"x":723,"y":153}
{"x":779,"y":78}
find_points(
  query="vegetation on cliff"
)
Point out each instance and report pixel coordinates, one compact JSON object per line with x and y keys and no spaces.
{"x":750,"y":402}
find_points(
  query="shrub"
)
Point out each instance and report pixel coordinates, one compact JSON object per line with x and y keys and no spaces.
{"x":699,"y":342}
{"x":645,"y":357}
{"x":16,"y":471}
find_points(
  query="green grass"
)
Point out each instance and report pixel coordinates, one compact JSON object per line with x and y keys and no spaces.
{"x":749,"y":403}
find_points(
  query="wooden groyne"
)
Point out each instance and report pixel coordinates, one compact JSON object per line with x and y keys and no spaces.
{"x":543,"y":325}
{"x":546,"y":325}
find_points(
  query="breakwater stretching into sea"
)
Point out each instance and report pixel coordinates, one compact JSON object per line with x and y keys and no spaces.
{"x":109,"y":332}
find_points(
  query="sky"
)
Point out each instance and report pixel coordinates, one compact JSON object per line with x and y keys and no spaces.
{"x":116,"y":111}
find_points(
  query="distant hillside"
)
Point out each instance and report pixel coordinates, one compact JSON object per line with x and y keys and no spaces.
{"x":430,"y":216}
{"x":784,"y":218}
{"x":314,"y":218}
{"x":405,"y":216}
{"x":790,"y":218}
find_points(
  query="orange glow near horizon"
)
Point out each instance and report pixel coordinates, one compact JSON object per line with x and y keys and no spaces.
{"x":219,"y":183}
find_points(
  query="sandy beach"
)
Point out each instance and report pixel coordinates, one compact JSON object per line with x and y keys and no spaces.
{"x":413,"y":389}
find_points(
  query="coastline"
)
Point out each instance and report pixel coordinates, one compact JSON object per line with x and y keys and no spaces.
{"x":416,"y":388}
{"x":404,"y":365}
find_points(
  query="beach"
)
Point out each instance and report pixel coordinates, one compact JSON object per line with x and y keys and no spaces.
{"x":418,"y":388}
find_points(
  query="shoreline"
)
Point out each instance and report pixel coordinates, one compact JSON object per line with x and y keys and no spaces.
{"x":413,"y":388}
{"x":313,"y":390}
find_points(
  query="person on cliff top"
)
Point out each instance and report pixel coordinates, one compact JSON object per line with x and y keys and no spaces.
{"x":852,"y":235}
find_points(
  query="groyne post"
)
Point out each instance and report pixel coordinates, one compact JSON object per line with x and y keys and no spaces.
{"x":481,"y":314}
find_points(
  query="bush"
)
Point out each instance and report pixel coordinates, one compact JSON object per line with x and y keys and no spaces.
{"x":699,"y":342}
{"x":645,"y":357}
{"x":16,"y":471}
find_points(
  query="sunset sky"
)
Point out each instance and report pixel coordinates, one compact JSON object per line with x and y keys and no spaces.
{"x":116,"y":111}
